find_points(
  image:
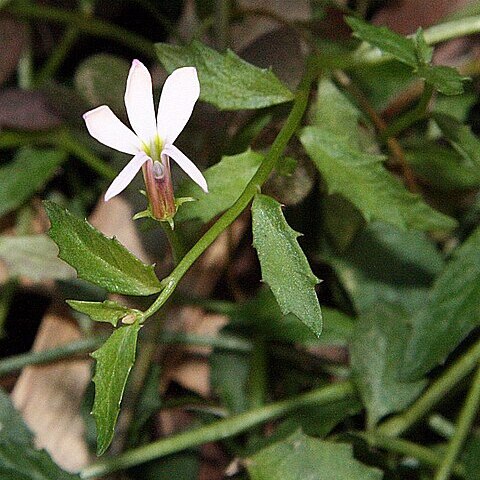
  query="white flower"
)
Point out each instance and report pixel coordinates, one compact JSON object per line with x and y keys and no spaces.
{"x":153,"y":138}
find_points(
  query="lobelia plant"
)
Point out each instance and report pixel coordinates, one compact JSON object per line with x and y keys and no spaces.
{"x":340,"y":373}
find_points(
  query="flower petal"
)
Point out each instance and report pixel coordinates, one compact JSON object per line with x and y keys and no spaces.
{"x":104,"y":125}
{"x":139,"y":102}
{"x":126,"y":175}
{"x":179,"y":94}
{"x":186,"y":165}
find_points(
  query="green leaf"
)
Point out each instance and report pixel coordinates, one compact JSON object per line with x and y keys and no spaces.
{"x":451,"y":312}
{"x":98,"y":259}
{"x":398,"y":46}
{"x":226,"y":181}
{"x":441,"y":166}
{"x":226,"y":81}
{"x":362,"y":179}
{"x":461,"y":137}
{"x":28,"y":173}
{"x":302,"y":457}
{"x":377,"y":349}
{"x":33,"y":256}
{"x":115,"y":359}
{"x":101,"y":80}
{"x":387,"y":265}
{"x":31,"y":464}
{"x":446,"y":80}
{"x":284,"y":265}
{"x":106,"y":311}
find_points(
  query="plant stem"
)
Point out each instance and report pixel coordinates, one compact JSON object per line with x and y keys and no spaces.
{"x":88,"y":345}
{"x":464,"y":424}
{"x":223,"y":24}
{"x":219,"y":430}
{"x":176,"y":243}
{"x":251,"y":189}
{"x":79,"y":347}
{"x":258,"y":374}
{"x":403,"y":447}
{"x":412,"y":116}
{"x":398,"y":424}
{"x":88,"y":25}
{"x":58,"y":56}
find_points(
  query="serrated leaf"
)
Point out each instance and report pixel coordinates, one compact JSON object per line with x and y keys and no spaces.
{"x":98,"y":259}
{"x":106,"y":311}
{"x":387,"y":265}
{"x":377,"y":349}
{"x":25,"y":175}
{"x":284,"y":265}
{"x":304,"y":457}
{"x":446,"y":80}
{"x":461,"y":137}
{"x":226,"y":182}
{"x":115,"y":359}
{"x":450,"y":313}
{"x":101,"y":79}
{"x":33,"y":256}
{"x":362,"y":179}
{"x":226,"y":81}
{"x":31,"y":464}
{"x":398,"y":46}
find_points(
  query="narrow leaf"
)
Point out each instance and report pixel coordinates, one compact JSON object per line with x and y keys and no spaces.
{"x":98,"y":259}
{"x":398,"y":46}
{"x":446,"y":80}
{"x":450,"y":313}
{"x":114,"y":362}
{"x":377,"y":349}
{"x":29,"y":171}
{"x":304,"y":457}
{"x":362,"y":179}
{"x":226,"y":181}
{"x":106,"y":311}
{"x":284,"y":265}
{"x":33,"y":256}
{"x":227,"y":81}
{"x":461,"y":137}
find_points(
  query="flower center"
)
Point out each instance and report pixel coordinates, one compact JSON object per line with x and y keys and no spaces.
{"x":158,"y":170}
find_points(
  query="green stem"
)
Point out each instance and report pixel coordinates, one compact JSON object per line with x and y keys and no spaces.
{"x":85,"y":24}
{"x":219,"y":430}
{"x":423,"y":454}
{"x":441,"y":426}
{"x":251,"y":189}
{"x":176,"y":243}
{"x":463,"y":427}
{"x":258,"y":374}
{"x":398,"y":424}
{"x":433,"y":35}
{"x":79,"y":347}
{"x":222,"y":24}
{"x":58,"y":56}
{"x":87,"y":345}
{"x":411,"y":117}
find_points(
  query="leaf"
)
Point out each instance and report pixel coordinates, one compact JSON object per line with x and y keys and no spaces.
{"x":284,"y":265}
{"x":461,"y":137}
{"x":15,"y":437}
{"x":98,"y":259}
{"x":387,"y":265}
{"x":115,"y":359}
{"x":106,"y":311}
{"x":28,"y":173}
{"x":101,"y":80}
{"x":226,"y":181}
{"x":362,"y":179}
{"x":446,"y":80}
{"x":33,"y":256}
{"x":304,"y":457}
{"x":451,"y":312}
{"x":377,"y":350}
{"x":398,"y":46}
{"x":226,"y":81}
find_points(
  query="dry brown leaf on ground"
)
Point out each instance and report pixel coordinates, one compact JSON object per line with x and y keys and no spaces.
{"x":49,"y":396}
